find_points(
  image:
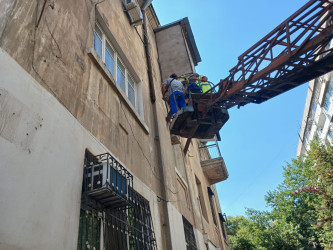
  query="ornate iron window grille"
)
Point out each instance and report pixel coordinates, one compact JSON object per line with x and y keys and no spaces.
{"x":103,"y":226}
{"x":107,"y":181}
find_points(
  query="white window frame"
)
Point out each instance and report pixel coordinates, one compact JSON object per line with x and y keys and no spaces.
{"x":116,"y":57}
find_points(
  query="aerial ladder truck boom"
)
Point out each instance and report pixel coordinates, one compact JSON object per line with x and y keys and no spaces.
{"x":296,"y":51}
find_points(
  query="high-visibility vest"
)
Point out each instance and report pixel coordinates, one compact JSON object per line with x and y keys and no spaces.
{"x":203,"y":85}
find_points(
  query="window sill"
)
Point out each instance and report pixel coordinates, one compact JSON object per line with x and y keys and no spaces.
{"x":100,"y":64}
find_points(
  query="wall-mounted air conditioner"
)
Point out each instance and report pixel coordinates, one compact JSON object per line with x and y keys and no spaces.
{"x":108,"y":182}
{"x":133,"y":11}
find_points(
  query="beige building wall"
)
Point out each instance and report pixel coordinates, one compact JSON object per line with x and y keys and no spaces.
{"x":66,"y":101}
{"x":173,"y":52}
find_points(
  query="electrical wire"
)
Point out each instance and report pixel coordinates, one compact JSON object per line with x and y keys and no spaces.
{"x":58,"y":57}
{"x":150,"y":165}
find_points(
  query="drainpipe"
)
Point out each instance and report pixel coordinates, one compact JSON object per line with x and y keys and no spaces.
{"x":146,"y":41}
{"x":165,"y":223}
{"x":146,"y":5}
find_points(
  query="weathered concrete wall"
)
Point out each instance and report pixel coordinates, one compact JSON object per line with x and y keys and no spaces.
{"x":185,"y":194}
{"x":79,"y":107}
{"x":193,"y":168}
{"x":55,"y":53}
{"x":166,"y":166}
{"x":173,"y":52}
{"x":6,"y":7}
{"x":42,"y":156}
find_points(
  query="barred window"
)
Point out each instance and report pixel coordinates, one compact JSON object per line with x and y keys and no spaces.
{"x":141,"y":233}
{"x":189,"y":235}
{"x":118,"y":229}
{"x":126,"y":227}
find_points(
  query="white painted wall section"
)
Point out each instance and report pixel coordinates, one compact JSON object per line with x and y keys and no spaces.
{"x":176,"y":228}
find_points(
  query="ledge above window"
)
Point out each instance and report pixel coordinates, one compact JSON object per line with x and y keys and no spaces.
{"x":106,"y":73}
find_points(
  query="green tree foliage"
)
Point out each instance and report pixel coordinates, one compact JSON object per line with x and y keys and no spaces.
{"x":301,"y":208}
{"x":321,"y":186}
{"x":238,"y":233}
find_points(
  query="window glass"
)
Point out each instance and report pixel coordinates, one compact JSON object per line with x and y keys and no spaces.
{"x":109,"y":58}
{"x":98,"y":31}
{"x":98,"y":45}
{"x":131,"y":91}
{"x":121,"y":75}
{"x":113,"y":63}
{"x":330,"y":133}
{"x":328,"y":95}
{"x":98,"y":41}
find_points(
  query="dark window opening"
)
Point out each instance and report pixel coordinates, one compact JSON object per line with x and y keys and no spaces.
{"x":189,"y":235}
{"x":211,"y":201}
{"x":222,"y":220}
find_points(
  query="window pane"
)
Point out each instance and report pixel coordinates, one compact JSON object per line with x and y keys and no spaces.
{"x":109,"y":58}
{"x":98,"y":43}
{"x":98,"y":31}
{"x":121,"y":75}
{"x":131,"y":91}
{"x":329,"y":94}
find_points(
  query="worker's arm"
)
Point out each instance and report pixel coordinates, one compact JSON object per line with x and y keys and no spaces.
{"x":163,"y":87}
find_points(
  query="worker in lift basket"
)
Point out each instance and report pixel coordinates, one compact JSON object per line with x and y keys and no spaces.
{"x":194,"y":85}
{"x":176,"y":91}
{"x":198,"y":84}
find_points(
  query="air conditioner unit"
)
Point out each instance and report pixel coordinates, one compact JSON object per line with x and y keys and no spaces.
{"x":134,"y":12}
{"x":107,"y":184}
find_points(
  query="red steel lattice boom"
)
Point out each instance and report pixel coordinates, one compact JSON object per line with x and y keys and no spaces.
{"x":296,"y":51}
{"x":293,"y":53}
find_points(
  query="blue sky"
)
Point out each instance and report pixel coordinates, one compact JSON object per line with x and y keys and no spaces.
{"x":258,"y":139}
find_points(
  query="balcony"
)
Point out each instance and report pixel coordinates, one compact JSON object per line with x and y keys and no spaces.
{"x":108,"y":182}
{"x":212,"y":163}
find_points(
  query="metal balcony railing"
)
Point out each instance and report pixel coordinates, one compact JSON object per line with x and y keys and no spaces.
{"x":108,"y":182}
{"x":212,"y":162}
{"x":210,"y":151}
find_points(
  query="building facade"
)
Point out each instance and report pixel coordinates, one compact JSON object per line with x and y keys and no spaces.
{"x":318,"y":112}
{"x":87,"y":159}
